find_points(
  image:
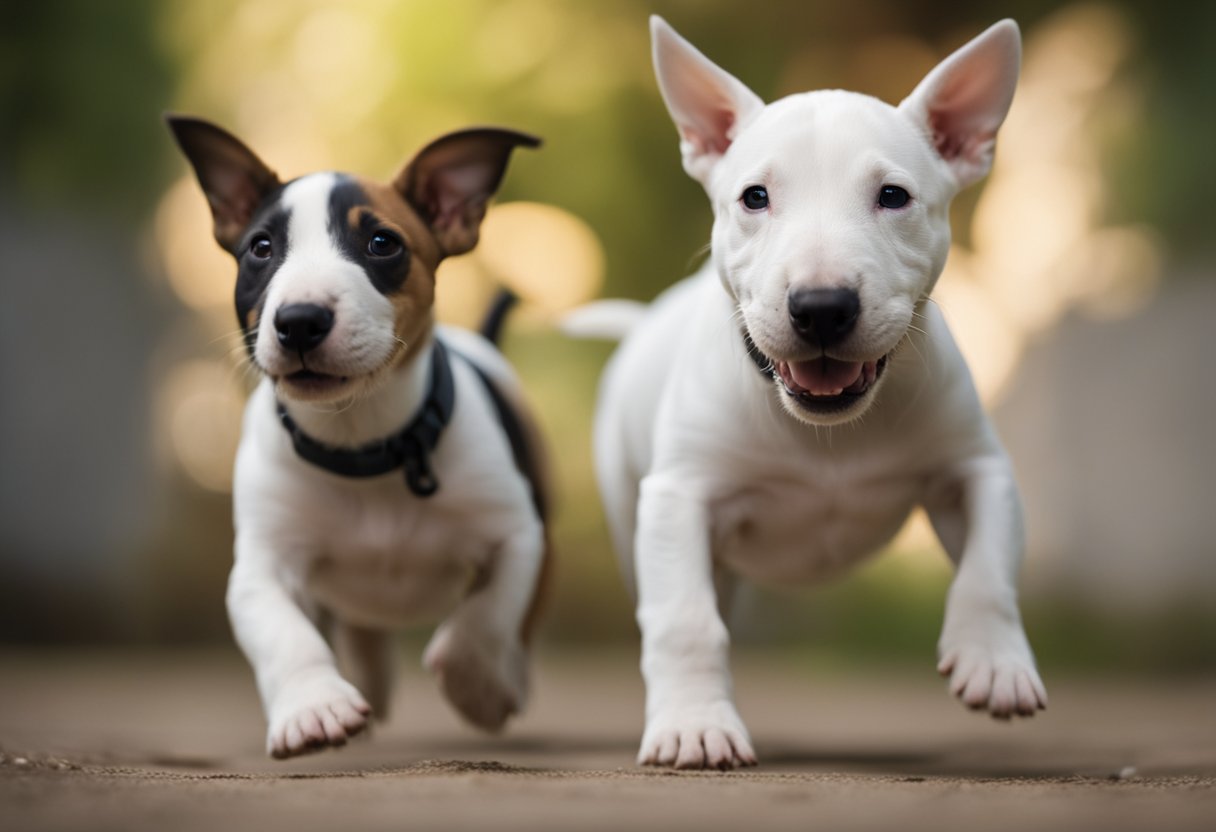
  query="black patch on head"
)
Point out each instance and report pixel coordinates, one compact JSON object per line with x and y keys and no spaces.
{"x":387,"y":274}
{"x":254,"y":273}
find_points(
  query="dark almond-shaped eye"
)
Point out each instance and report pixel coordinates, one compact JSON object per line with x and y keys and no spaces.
{"x":383,"y":244}
{"x":260,"y":247}
{"x":893,"y":196}
{"x":755,"y":198}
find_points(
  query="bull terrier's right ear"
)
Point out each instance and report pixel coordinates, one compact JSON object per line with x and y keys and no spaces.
{"x":707,"y":103}
{"x":234,"y":179}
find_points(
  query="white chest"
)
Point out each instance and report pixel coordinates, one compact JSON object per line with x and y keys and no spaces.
{"x":805,"y":528}
{"x":388,"y":559}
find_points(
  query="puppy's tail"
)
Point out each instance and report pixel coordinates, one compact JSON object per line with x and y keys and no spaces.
{"x":609,"y":320}
{"x":496,"y":315}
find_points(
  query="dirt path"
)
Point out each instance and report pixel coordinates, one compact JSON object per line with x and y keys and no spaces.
{"x":130,"y":741}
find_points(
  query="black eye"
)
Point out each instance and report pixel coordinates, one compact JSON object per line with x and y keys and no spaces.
{"x":260,"y":247}
{"x":755,"y":198}
{"x":893,"y":196}
{"x":383,"y":244}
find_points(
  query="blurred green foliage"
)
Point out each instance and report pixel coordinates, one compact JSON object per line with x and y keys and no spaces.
{"x":1165,"y":171}
{"x":81,"y":87}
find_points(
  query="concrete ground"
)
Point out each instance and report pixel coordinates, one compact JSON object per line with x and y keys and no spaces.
{"x":150,"y":741}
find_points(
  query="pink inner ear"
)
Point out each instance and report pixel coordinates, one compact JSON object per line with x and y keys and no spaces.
{"x":235,"y":195}
{"x":713,"y":135}
{"x":454,"y":188}
{"x":954,"y":140}
{"x":961,"y":113}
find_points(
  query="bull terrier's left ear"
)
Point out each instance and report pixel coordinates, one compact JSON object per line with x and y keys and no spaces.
{"x":963,"y":101}
{"x":451,"y":180}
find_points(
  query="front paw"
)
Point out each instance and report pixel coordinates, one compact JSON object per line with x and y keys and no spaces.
{"x":697,"y":736}
{"x":483,"y":675}
{"x":994,"y":673}
{"x":320,"y":710}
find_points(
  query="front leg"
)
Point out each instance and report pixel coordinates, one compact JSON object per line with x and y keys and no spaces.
{"x":983,"y":647}
{"x":479,"y":652}
{"x":308,"y":705}
{"x":691,"y":720}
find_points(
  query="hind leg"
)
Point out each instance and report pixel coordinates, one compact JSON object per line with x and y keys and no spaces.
{"x":365,"y":657}
{"x":619,"y":493}
{"x":479,"y":653}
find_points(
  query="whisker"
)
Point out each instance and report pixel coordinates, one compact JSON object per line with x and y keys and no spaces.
{"x":692,"y":263}
{"x":919,"y":354}
{"x":236,"y":333}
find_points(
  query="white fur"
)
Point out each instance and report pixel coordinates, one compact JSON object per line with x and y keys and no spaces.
{"x":711,"y":473}
{"x":369,"y":553}
{"x":612,"y":319}
{"x":316,"y":271}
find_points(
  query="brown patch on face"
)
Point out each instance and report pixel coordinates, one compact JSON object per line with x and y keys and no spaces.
{"x":414,"y":301}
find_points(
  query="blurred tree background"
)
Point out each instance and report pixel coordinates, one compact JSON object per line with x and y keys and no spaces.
{"x":1080,"y":287}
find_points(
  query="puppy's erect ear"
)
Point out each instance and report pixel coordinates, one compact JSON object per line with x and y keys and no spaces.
{"x":234,"y":179}
{"x":965,"y":98}
{"x":451,"y":180}
{"x":707,"y":103}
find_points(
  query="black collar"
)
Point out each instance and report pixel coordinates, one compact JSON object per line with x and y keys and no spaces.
{"x":763,"y":363}
{"x":409,"y":449}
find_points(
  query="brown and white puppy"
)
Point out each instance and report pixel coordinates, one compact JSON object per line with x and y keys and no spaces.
{"x":387,"y":472}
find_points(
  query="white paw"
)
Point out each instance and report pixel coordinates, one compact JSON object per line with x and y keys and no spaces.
{"x":316,"y":711}
{"x":996,"y":674}
{"x":698,"y":736}
{"x":483,"y":675}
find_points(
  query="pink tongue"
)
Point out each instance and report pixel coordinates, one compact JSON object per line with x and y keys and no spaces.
{"x":822,"y":376}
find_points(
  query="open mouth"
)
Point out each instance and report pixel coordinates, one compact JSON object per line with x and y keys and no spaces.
{"x":827,"y":385}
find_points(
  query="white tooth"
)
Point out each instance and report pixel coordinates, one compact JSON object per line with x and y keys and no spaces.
{"x":837,"y":391}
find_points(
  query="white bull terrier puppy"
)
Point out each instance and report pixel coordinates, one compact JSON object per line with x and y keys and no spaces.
{"x":775,"y":417}
{"x":388,"y":471}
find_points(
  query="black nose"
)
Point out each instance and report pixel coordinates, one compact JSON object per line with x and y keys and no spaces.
{"x":301,"y":326}
{"x":823,"y":316}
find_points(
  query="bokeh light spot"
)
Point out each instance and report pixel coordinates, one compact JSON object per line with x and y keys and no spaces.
{"x":200,"y":273}
{"x":199,"y":408}
{"x":550,"y":258}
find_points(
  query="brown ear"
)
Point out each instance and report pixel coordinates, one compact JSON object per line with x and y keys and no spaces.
{"x":234,"y":179}
{"x":450,"y":181}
